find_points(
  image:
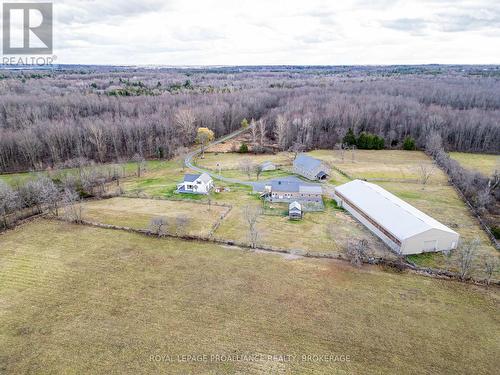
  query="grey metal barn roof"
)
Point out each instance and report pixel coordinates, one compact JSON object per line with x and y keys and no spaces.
{"x":398,"y":217}
{"x":306,"y":162}
{"x":294,"y":187}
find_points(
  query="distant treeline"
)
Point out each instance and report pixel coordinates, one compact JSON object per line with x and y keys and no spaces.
{"x":53,"y":118}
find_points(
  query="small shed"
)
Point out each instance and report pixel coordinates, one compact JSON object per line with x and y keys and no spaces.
{"x":295,"y":211}
{"x":268,"y":166}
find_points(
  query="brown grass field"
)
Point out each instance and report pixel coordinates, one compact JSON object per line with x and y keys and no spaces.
{"x":137,"y":213}
{"x":484,"y":163}
{"x":76,"y":299}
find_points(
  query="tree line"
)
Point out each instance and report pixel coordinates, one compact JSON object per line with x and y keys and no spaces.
{"x":51,"y":120}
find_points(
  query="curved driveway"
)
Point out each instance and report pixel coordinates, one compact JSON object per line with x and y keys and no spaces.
{"x":188,"y":161}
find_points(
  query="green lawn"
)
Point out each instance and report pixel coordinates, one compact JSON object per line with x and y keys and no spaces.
{"x":79,"y":300}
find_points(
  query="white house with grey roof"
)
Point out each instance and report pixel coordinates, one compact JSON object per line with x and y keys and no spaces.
{"x":401,"y":226}
{"x":310,"y":168}
{"x":195,"y":184}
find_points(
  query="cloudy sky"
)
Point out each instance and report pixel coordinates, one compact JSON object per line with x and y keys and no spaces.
{"x":240,"y":32}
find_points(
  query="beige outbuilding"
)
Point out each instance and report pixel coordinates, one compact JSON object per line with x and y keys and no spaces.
{"x":405,"y":229}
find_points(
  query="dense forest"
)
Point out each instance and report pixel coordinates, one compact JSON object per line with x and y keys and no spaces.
{"x":53,"y":118}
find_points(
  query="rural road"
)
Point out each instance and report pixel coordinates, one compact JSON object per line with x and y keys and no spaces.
{"x":188,"y":161}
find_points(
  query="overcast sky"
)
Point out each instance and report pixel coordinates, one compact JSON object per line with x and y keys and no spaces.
{"x":240,"y":32}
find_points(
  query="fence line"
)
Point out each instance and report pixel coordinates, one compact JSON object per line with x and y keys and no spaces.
{"x":396,"y":264}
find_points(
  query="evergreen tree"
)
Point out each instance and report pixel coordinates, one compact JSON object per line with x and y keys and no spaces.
{"x":349,"y":138}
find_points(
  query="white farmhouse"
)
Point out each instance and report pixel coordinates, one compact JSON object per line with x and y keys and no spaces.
{"x":401,"y":226}
{"x":196,"y":184}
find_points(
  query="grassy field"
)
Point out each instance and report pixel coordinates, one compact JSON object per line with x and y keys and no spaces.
{"x":320,"y":232}
{"x":127,"y":168}
{"x":484,"y":163}
{"x":382,"y":164}
{"x":78,"y":300}
{"x":137,"y":213}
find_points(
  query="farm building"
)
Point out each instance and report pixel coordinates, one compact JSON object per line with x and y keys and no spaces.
{"x":195,"y":184}
{"x":310,"y":168}
{"x":267,"y":166}
{"x":295,"y":211}
{"x":289,"y":190}
{"x":401,"y":226}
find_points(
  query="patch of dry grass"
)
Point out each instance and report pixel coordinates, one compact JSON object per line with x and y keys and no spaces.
{"x":484,"y":163}
{"x":76,"y":299}
{"x":382,"y":164}
{"x":137,"y":213}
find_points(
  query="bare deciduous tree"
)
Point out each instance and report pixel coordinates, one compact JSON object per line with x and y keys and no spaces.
{"x":258,"y":170}
{"x":181,"y":223}
{"x":425,"y":172}
{"x":490,"y":267}
{"x":357,"y":251}
{"x":50,"y":195}
{"x":255,"y":131}
{"x":247,"y":167}
{"x":9,"y":202}
{"x":140,"y":163}
{"x":73,"y":208}
{"x":434,"y":143}
{"x":262,"y":131}
{"x":182,"y":153}
{"x":251,"y":215}
{"x":466,"y":256}
{"x":158,"y":225}
{"x":280,"y":131}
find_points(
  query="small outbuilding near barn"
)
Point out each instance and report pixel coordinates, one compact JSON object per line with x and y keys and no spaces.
{"x":401,"y":226}
{"x":267,"y":166}
{"x":295,"y":211}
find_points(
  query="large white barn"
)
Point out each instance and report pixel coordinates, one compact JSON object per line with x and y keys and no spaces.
{"x":401,"y":226}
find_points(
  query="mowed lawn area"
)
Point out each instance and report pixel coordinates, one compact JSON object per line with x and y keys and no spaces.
{"x":484,"y":163}
{"x":76,"y":299}
{"x":137,"y":213}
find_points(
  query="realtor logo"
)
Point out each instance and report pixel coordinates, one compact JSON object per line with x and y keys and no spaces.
{"x":27,"y":28}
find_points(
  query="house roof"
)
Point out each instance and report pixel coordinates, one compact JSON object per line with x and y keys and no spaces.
{"x":191,"y":177}
{"x":204,"y":177}
{"x":306,"y":162}
{"x":395,"y":215}
{"x":294,"y":206}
